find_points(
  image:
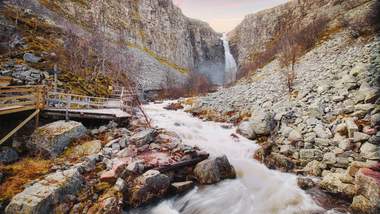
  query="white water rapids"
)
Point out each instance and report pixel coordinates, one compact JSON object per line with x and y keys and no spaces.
{"x":256,"y":189}
{"x":230,"y":67}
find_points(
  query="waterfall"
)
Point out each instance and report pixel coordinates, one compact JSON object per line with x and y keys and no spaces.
{"x":231,"y":67}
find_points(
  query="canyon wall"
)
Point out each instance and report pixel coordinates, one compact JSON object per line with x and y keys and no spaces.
{"x":260,"y":31}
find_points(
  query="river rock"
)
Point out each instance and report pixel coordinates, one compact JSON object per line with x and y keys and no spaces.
{"x":143,"y":137}
{"x":53,"y":138}
{"x":367,"y":183}
{"x":314,"y":168}
{"x":180,"y":187}
{"x":260,"y":122}
{"x":245,"y":128}
{"x":375,"y":119}
{"x":8,"y":155}
{"x":43,"y":195}
{"x":333,"y":182}
{"x":152,"y":184}
{"x":360,"y":137}
{"x":305,"y":183}
{"x":214,"y":170}
{"x":322,"y":132}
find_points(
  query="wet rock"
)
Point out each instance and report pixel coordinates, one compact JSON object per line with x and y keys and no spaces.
{"x":278,"y":161}
{"x":43,"y":195}
{"x":143,"y":137}
{"x":8,"y":155}
{"x":246,"y":129}
{"x":174,"y":106}
{"x":180,"y":187}
{"x":305,"y":183}
{"x":53,"y":138}
{"x":333,"y":182}
{"x":152,"y":184}
{"x":214,"y":170}
{"x":28,"y":57}
{"x":314,"y":168}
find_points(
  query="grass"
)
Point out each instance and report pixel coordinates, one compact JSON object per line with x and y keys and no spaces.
{"x":21,"y":173}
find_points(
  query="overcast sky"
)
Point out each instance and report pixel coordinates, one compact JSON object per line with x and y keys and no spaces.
{"x":223,"y":15}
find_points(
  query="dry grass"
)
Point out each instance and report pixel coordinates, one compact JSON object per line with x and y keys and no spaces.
{"x":21,"y":173}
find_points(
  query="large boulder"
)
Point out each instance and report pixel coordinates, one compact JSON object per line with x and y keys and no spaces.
{"x":214,"y":170}
{"x":261,"y":123}
{"x":42,"y":196}
{"x":152,"y":184}
{"x":245,"y":128}
{"x":86,"y":149}
{"x":8,"y":155}
{"x":367,"y":183}
{"x":53,"y":138}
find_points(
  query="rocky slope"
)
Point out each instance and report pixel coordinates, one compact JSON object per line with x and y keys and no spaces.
{"x":262,"y":31}
{"x":327,"y":127}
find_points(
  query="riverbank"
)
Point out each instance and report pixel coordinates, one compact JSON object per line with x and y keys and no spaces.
{"x":327,"y":127}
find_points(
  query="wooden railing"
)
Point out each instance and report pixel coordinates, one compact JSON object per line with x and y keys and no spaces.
{"x":21,"y":98}
{"x":73,"y":101}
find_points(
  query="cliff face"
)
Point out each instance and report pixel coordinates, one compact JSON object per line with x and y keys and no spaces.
{"x":158,"y":30}
{"x":260,"y":31}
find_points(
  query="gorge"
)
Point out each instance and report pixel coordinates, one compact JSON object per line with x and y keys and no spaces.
{"x":279,"y":115}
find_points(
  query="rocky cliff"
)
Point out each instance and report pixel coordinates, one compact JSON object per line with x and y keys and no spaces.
{"x":160,"y":42}
{"x":262,"y":31}
{"x":156,"y":28}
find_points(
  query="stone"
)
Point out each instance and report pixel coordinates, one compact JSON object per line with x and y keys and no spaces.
{"x":305,"y":183}
{"x":369,"y":131}
{"x":28,"y":57}
{"x":121,"y":186}
{"x":180,"y":187}
{"x":370,"y":151}
{"x":245,"y":128}
{"x":86,"y":149}
{"x":375,"y":119}
{"x":307,"y":154}
{"x":8,"y":155}
{"x":362,"y":204}
{"x":53,"y":138}
{"x":260,"y":122}
{"x":332,"y":182}
{"x":136,"y":167}
{"x":313,"y":168}
{"x":322,"y":132}
{"x":143,"y":137}
{"x":214,"y":170}
{"x":367,"y":183}
{"x":360,"y":137}
{"x":321,"y":142}
{"x":295,"y":136}
{"x":341,"y":129}
{"x":351,"y":127}
{"x":345,"y":144}
{"x":40,"y":197}
{"x":329,"y":158}
{"x":151,"y":185}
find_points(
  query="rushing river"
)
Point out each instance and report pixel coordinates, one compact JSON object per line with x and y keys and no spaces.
{"x":256,"y":190}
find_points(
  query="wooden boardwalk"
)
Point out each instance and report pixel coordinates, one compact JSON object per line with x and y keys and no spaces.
{"x":14,"y":99}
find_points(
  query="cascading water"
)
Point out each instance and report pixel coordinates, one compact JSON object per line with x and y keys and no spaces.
{"x":256,"y":190}
{"x":231,"y":67}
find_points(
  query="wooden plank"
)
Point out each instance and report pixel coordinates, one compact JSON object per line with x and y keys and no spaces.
{"x":19,"y":127}
{"x":16,"y":97}
{"x":16,"y":109}
{"x":23,"y":103}
{"x":17,"y":90}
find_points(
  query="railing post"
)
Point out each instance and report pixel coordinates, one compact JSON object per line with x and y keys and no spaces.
{"x":68,"y":104}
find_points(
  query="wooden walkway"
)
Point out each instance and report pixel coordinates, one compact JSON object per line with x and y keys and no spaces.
{"x":38,"y":99}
